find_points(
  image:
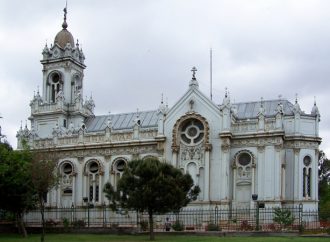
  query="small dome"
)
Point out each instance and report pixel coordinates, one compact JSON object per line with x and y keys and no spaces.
{"x":63,"y":37}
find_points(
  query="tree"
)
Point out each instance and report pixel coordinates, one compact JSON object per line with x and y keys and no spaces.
{"x":16,"y":189}
{"x":324,"y":184}
{"x":44,"y":177}
{"x":152,"y":186}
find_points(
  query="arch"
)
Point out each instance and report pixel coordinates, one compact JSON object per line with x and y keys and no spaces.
{"x":115,"y":163}
{"x":51,"y":76}
{"x":150,"y":157}
{"x":55,"y":84}
{"x":89,"y":162}
{"x":178,"y":125}
{"x":62,"y":164}
{"x":237,"y":155}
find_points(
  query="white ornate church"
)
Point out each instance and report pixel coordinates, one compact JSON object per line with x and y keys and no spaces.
{"x":232,"y":150}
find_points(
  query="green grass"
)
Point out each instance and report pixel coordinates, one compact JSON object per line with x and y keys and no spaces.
{"x":163,"y":238}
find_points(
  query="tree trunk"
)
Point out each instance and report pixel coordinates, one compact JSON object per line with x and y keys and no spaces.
{"x":20,"y":225}
{"x":151,"y":223}
{"x":42,"y":211}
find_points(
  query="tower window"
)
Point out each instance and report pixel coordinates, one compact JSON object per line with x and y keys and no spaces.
{"x":307,"y":175}
{"x":64,"y":123}
{"x":55,"y":86}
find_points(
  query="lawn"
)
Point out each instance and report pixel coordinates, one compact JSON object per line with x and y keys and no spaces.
{"x":163,"y":238}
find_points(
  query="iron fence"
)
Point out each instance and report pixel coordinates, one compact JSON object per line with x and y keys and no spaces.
{"x":263,"y":219}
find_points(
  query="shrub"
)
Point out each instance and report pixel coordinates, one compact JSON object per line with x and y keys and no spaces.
{"x":245,"y":225}
{"x":50,"y":223}
{"x":212,"y":227}
{"x":283,"y":217}
{"x":144,"y":225}
{"x":66,"y":223}
{"x":79,"y":223}
{"x":178,"y":226}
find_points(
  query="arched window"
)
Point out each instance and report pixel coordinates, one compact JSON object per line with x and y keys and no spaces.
{"x":67,"y":180}
{"x":244,"y":162}
{"x":118,"y":168}
{"x":55,"y":84}
{"x":93,"y":171}
{"x":307,"y":175}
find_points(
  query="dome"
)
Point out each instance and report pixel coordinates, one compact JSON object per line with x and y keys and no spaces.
{"x":63,"y":37}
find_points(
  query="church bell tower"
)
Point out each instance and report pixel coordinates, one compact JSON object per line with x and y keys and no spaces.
{"x":61,"y":107}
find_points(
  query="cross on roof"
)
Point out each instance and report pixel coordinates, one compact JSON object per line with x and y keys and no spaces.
{"x":194,"y":72}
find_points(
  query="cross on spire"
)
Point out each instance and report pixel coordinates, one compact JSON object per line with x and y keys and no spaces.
{"x":194,"y":69}
{"x":65,"y":25}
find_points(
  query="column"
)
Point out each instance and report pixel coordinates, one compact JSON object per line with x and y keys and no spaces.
{"x":260,"y":174}
{"x":74,"y":189}
{"x":84,"y":187}
{"x":175,"y":150}
{"x":277,"y":172}
{"x":298,"y":182}
{"x":207,"y":175}
{"x":94,"y":188}
{"x":224,"y":171}
{"x":234,"y":182}
{"x":100,"y":189}
{"x":283,"y":197}
{"x":58,"y":197}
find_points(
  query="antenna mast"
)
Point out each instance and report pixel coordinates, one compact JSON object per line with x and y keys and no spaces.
{"x":211,"y":73}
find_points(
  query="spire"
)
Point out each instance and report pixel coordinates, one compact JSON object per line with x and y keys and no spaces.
{"x":296,"y":108}
{"x":65,"y":25}
{"x":262,"y":108}
{"x":315,"y":109}
{"x":226,"y":100}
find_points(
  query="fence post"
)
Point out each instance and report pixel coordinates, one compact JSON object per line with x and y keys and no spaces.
{"x":300,"y":217}
{"x":104,"y":214}
{"x":216,"y":214}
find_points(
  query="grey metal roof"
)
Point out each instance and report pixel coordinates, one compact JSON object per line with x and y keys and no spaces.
{"x":122,"y":121}
{"x":251,"y":109}
{"x":149,"y":119}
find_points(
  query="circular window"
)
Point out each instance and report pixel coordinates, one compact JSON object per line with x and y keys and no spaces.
{"x":55,"y":78}
{"x":120,"y":165}
{"x":307,"y":160}
{"x":244,"y":159}
{"x":192,"y":131}
{"x":94,"y":167}
{"x":67,"y":168}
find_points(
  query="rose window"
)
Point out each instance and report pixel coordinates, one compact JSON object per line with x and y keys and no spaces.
{"x":192,"y":132}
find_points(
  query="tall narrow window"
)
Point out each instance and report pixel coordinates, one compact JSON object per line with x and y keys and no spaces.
{"x":307,"y":173}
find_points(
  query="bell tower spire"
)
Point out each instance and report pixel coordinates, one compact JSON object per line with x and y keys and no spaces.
{"x":65,"y":25}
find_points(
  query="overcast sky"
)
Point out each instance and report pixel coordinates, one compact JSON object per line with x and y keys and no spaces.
{"x":138,"y":49}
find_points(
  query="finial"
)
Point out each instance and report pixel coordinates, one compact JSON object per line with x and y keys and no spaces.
{"x":226,"y":92}
{"x":38,"y":90}
{"x":77,"y":44}
{"x":21,"y":124}
{"x":162,"y":100}
{"x":194,"y":72}
{"x":166,"y":102}
{"x":296,"y":98}
{"x":314,"y":100}
{"x":26,"y":124}
{"x":65,"y":25}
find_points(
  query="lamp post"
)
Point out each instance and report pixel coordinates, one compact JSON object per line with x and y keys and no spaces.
{"x":255,"y":199}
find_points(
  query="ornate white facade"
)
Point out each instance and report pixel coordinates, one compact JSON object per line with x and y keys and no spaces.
{"x":232,"y":150}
